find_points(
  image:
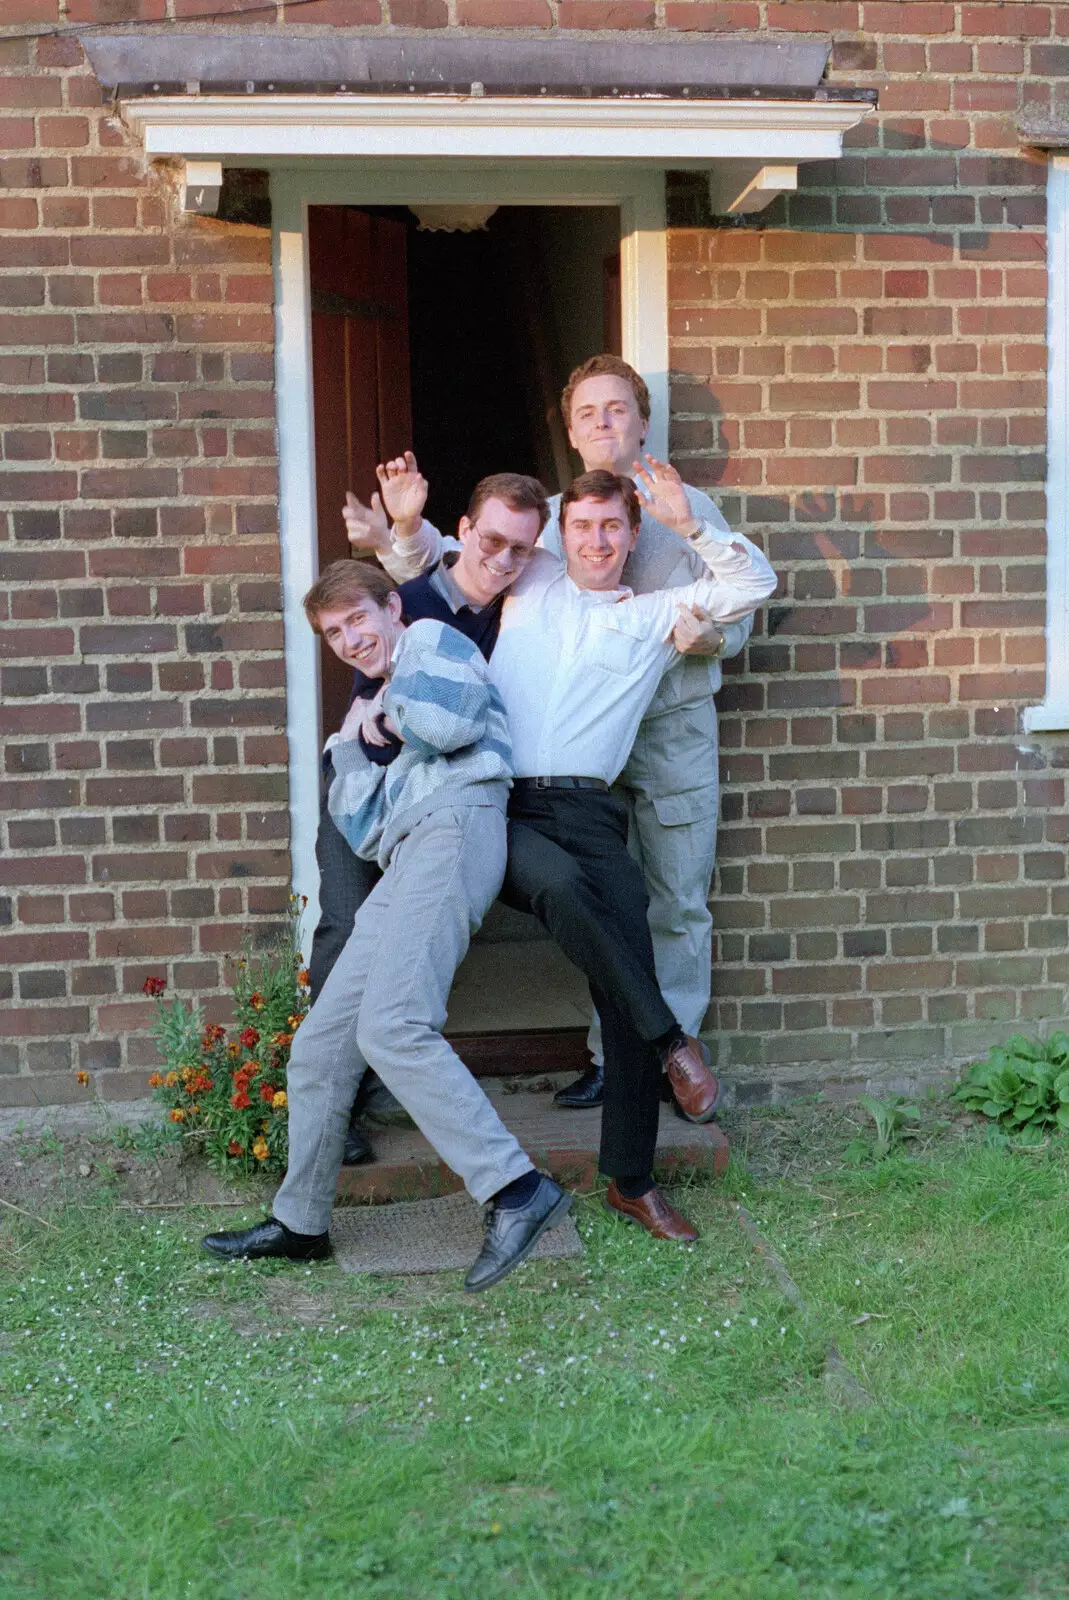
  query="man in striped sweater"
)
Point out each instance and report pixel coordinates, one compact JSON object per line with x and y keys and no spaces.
{"x":422,"y":774}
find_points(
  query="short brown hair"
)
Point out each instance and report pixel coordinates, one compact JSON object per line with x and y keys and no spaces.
{"x":519,"y":493}
{"x":342,"y":584}
{"x":602,"y":486}
{"x":609,"y":367}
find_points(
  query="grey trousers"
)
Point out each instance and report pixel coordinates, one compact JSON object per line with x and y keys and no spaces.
{"x":671,"y":783}
{"x":384,"y":1006}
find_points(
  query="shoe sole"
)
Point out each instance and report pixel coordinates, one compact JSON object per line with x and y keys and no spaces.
{"x":578,"y":1105}
{"x":706,"y":1116}
{"x":551,"y":1219}
{"x":622,"y":1216}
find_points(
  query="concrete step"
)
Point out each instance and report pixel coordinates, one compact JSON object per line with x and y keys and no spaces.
{"x":564,"y":1143}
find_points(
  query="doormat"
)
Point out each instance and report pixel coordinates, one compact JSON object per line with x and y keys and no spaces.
{"x":427,"y":1236}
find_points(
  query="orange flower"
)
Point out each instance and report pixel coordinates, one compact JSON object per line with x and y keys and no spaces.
{"x":201,"y":1083}
{"x":178,"y":1115}
{"x":83,"y":1077}
{"x":283,"y":1040}
{"x":280,"y":1099}
{"x":240,"y":1101}
{"x":233,"y":1049}
{"x":155,"y":1080}
{"x":267,"y":1092}
{"x":261,"y":1149}
{"x":304,"y":977}
{"x":257,"y":1001}
{"x":171,"y":1079}
{"x":212,"y":1034}
{"x":295,"y":1022}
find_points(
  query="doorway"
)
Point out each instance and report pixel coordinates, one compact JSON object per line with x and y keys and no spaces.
{"x":457,"y":344}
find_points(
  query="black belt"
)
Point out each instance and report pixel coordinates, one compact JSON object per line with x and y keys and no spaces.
{"x":561,"y":783}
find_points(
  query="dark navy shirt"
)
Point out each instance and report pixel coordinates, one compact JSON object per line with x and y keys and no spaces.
{"x":429,"y":596}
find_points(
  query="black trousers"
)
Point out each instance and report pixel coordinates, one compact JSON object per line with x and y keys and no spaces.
{"x":569,"y":865}
{"x":345,"y":881}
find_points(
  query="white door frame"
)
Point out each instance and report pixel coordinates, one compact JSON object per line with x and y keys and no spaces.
{"x":638,"y":191}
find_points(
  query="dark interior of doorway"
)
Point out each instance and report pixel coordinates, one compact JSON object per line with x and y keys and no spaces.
{"x":458,"y":344}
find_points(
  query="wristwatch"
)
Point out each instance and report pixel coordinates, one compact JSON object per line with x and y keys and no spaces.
{"x":718,"y":653}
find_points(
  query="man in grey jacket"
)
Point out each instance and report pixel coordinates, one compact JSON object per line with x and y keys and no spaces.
{"x":422,"y":774}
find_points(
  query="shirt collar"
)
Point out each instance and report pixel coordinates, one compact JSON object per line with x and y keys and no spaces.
{"x":444,"y":583}
{"x":601,"y":597}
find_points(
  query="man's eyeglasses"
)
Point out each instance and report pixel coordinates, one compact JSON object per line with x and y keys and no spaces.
{"x":495,"y":544}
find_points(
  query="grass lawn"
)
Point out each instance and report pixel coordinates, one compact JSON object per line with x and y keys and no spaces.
{"x":645,"y":1421}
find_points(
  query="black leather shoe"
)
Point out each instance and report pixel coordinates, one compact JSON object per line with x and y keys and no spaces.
{"x":512,"y":1235}
{"x":268,"y":1238}
{"x":357,"y":1150}
{"x":376,"y":1104}
{"x":587,"y":1091}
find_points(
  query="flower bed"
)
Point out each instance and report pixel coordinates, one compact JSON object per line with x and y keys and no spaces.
{"x":226,"y":1087}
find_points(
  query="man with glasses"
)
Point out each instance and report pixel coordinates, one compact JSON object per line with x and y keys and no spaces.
{"x":495,"y":538}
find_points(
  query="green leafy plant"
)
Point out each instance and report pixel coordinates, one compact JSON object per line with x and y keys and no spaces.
{"x":891,"y":1119}
{"x":1023,"y":1086}
{"x":226,"y":1088}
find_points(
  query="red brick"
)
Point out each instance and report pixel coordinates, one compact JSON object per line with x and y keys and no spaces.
{"x":607,"y":14}
{"x":1006,"y":21}
{"x":30,"y":91}
{"x":813,"y":16}
{"x":712,"y":16}
{"x":335,"y":13}
{"x":419,"y":13}
{"x":904,"y":17}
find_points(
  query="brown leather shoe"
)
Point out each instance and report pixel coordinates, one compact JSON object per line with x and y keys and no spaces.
{"x":695,"y":1086}
{"x":652,"y":1212}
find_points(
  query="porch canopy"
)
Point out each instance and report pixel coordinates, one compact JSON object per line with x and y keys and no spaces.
{"x":747,"y":109}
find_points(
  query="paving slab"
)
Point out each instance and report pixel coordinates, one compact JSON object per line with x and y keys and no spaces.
{"x":427,"y":1236}
{"x":564,"y":1143}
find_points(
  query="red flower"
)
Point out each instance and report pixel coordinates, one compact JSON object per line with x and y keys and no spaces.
{"x":240,"y":1101}
{"x":235,"y":1149}
{"x":154,"y":987}
{"x":211,"y":1035}
{"x":249,"y":1038}
{"x":257,"y":1001}
{"x":201,"y":1084}
{"x":267,"y":1092}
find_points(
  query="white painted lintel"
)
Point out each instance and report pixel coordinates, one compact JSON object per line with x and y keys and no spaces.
{"x":454,"y":127}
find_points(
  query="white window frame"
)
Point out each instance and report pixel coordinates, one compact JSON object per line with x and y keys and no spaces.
{"x":1053,"y":715}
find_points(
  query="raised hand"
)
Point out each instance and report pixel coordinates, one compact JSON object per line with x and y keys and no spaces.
{"x":404,"y":492}
{"x":660,"y":491}
{"x":366,"y":526}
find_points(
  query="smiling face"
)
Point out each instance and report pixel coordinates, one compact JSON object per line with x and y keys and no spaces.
{"x":605,"y":424}
{"x":597,"y":539}
{"x":494,"y":550}
{"x":364,"y":634}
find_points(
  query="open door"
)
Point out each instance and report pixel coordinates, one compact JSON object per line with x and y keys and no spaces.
{"x":361,"y":383}
{"x":457,"y":344}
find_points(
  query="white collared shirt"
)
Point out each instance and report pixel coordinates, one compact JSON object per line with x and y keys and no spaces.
{"x":577,"y":668}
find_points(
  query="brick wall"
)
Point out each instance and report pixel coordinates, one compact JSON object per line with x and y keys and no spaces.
{"x":860,"y":377}
{"x":141,"y":667}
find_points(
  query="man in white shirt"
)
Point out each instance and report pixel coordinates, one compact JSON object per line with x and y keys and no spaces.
{"x":578,"y":660}
{"x":671,"y":779}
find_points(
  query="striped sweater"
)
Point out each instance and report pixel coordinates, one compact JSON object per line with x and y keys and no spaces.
{"x":455,"y":744}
